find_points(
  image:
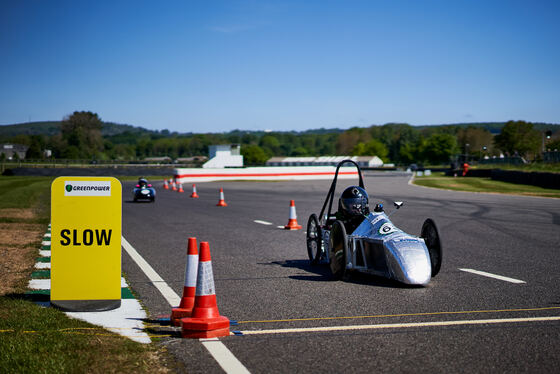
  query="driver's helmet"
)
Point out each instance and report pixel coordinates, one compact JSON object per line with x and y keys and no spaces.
{"x":354,"y":201}
{"x":142,"y":181}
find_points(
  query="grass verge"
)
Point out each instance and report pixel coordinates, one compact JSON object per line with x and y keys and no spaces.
{"x":471,"y":184}
{"x":45,"y":340}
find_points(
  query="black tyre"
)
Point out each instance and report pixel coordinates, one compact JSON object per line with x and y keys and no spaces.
{"x":314,"y":240}
{"x":153,"y":199}
{"x":431,"y":237}
{"x":338,"y":247}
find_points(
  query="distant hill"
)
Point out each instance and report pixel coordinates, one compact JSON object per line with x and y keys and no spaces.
{"x":31,"y":128}
{"x":50,"y":128}
{"x":111,"y":129}
{"x":496,"y":127}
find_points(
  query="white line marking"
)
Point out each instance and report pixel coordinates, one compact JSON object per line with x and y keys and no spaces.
{"x":401,"y":325}
{"x":280,"y":227}
{"x":42,"y":265}
{"x":490,"y":275}
{"x":262,"y":222}
{"x":225,"y":358}
{"x":45,"y":253}
{"x":167,"y":292}
{"x":217,"y":349}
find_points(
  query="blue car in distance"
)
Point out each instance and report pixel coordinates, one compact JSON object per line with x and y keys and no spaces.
{"x":144,"y":191}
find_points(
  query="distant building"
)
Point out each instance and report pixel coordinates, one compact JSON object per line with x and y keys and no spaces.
{"x":224,"y":155}
{"x":362,"y":161}
{"x":190,"y":160}
{"x":164,"y":159}
{"x":10,"y":150}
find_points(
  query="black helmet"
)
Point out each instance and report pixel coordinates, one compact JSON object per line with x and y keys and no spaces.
{"x":354,"y":201}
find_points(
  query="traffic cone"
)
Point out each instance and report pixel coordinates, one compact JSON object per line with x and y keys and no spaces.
{"x":189,"y":289}
{"x":205,"y":321}
{"x":222,"y":202}
{"x":194,"y":195}
{"x":181,"y":188}
{"x":292,"y":223}
{"x":165,"y":186}
{"x":173,"y":185}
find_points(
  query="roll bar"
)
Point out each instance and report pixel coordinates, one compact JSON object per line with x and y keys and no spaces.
{"x":330,"y":195}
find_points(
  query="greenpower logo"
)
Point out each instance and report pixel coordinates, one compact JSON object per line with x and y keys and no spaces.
{"x":87,"y":188}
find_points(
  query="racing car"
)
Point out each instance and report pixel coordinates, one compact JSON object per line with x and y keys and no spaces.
{"x":356,"y":239}
{"x":144,"y":191}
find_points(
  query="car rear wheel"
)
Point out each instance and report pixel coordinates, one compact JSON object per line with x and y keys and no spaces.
{"x":338,"y":247}
{"x":314,"y":240}
{"x":431,"y":238}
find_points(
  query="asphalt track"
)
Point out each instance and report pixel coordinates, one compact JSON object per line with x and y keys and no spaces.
{"x":263,"y":281}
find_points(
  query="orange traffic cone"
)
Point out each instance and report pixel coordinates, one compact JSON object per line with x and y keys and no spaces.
{"x":222,"y":202}
{"x":194,"y":195}
{"x":181,"y":188}
{"x":165,"y":186}
{"x":173,"y":185}
{"x":205,"y":321}
{"x":189,"y":289}
{"x":292,"y":223}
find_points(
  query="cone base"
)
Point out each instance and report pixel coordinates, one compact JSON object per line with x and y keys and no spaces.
{"x":292,"y":225}
{"x":204,"y":324}
{"x":193,"y":334}
{"x":205,"y":327}
{"x":194,"y":196}
{"x":179,"y":313}
{"x":221,"y":203}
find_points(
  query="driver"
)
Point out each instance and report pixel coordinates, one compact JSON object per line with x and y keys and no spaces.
{"x":142,"y":182}
{"x":353,"y":207}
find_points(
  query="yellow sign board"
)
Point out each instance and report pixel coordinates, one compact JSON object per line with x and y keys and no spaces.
{"x":86,"y":216}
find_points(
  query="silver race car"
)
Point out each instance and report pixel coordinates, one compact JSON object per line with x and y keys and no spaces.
{"x":357,"y":239}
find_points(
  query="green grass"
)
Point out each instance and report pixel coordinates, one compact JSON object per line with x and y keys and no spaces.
{"x":35,"y":339}
{"x":23,"y":192}
{"x":471,"y":184}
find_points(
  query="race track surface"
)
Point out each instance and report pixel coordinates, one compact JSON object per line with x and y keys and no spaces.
{"x":264,"y":281}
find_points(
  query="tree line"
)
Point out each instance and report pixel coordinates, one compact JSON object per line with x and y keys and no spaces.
{"x":81,"y":137}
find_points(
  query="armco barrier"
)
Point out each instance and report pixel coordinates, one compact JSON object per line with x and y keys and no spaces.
{"x":540,"y":179}
{"x":545,"y":180}
{"x":263,"y":173}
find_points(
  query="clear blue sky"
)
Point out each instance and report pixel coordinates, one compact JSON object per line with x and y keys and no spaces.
{"x":213,"y":66}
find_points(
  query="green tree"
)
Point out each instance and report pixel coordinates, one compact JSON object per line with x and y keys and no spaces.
{"x":271,"y":143}
{"x":36,"y":147}
{"x":439,"y":148}
{"x":477,"y":138}
{"x":518,"y":137}
{"x":372,"y":148}
{"x":82,"y":130}
{"x":253,"y":155}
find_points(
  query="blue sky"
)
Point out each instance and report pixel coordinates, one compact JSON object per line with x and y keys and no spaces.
{"x":213,"y":66}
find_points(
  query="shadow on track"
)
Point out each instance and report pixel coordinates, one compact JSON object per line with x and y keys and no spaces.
{"x":323,"y":274}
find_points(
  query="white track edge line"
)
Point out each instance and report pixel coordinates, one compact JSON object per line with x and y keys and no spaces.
{"x":223,"y":356}
{"x":217,"y":349}
{"x":262,"y":222}
{"x":495,"y":276}
{"x":401,"y":325}
{"x":167,"y":292}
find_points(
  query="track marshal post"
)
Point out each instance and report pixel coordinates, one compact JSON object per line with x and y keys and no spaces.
{"x":86,"y":215}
